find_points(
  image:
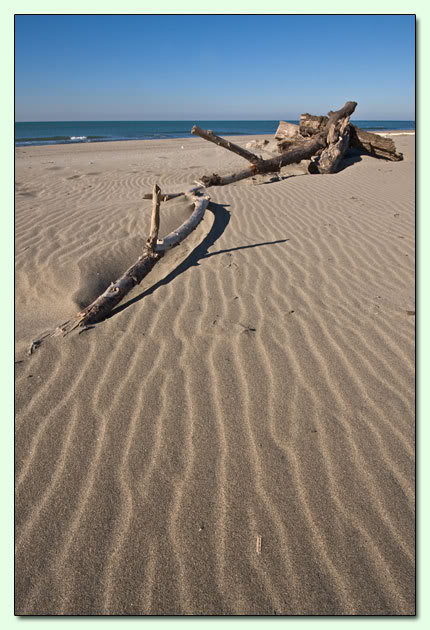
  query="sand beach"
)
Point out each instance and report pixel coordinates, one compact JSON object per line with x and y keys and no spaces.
{"x":238,"y":437}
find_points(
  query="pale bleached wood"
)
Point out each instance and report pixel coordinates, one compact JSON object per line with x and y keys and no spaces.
{"x":177,"y":236}
{"x":155,"y":218}
{"x":336,"y":117}
{"x":112,"y":296}
{"x":286,"y":130}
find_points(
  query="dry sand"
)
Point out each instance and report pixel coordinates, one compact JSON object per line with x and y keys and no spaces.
{"x":239,"y":437}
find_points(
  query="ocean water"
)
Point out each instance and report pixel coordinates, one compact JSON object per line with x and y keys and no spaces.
{"x":40,"y":133}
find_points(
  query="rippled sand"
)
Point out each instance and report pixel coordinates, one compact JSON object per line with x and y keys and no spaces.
{"x":239,"y":437}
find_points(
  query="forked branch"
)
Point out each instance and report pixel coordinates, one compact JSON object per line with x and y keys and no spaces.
{"x":153,"y":252}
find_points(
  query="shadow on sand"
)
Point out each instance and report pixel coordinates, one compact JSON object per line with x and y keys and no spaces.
{"x":222,"y":218}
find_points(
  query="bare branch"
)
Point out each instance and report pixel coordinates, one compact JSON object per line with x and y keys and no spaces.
{"x":209,"y":135}
{"x":155,"y":219}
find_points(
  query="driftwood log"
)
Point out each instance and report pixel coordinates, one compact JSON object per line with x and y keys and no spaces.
{"x":310,"y":125}
{"x":154,"y":250}
{"x":337,"y":129}
{"x":331,"y":156}
{"x":374,"y":144}
{"x":365,"y":141}
{"x":323,"y":138}
{"x":272,"y":165}
{"x":305,"y":148}
{"x":286,"y":131}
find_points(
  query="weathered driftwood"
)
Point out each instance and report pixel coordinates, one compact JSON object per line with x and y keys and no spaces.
{"x":365,"y":141}
{"x":155,"y":218}
{"x":153,"y":252}
{"x":303,"y":149}
{"x":113,"y":295}
{"x":177,"y":236}
{"x":272,"y":165}
{"x":374,"y":144}
{"x":311,"y":125}
{"x":286,"y":137}
{"x":327,"y":137}
{"x":332,"y":155}
{"x":291,"y":136}
{"x":209,"y":135}
{"x":335,"y":119}
{"x":337,"y":130}
{"x":294,"y":142}
{"x":286,"y":130}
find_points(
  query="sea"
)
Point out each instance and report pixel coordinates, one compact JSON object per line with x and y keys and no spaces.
{"x":73,"y":132}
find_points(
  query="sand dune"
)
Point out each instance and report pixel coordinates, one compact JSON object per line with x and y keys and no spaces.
{"x":258,"y":383}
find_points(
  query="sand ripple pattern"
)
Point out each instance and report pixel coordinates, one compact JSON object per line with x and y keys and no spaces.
{"x":239,"y":439}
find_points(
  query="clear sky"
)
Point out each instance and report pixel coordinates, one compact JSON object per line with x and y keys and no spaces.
{"x":212,"y":67}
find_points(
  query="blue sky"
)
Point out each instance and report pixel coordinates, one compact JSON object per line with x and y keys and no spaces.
{"x":209,"y":67}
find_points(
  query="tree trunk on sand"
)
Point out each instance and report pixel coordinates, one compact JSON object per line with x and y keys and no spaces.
{"x":305,"y":149}
{"x":331,"y":157}
{"x":367,"y":142}
{"x":335,"y":119}
{"x":272,"y":165}
{"x":337,"y":129}
{"x":288,"y":144}
{"x":373,"y":144}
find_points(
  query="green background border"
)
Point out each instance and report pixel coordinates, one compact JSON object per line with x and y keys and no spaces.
{"x":7,"y":11}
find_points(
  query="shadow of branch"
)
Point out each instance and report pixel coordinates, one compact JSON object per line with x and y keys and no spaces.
{"x":221,"y":220}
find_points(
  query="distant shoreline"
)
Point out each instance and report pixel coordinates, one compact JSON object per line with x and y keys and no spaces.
{"x":88,"y":132}
{"x":395,"y":132}
{"x":388,"y":132}
{"x":110,"y":144}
